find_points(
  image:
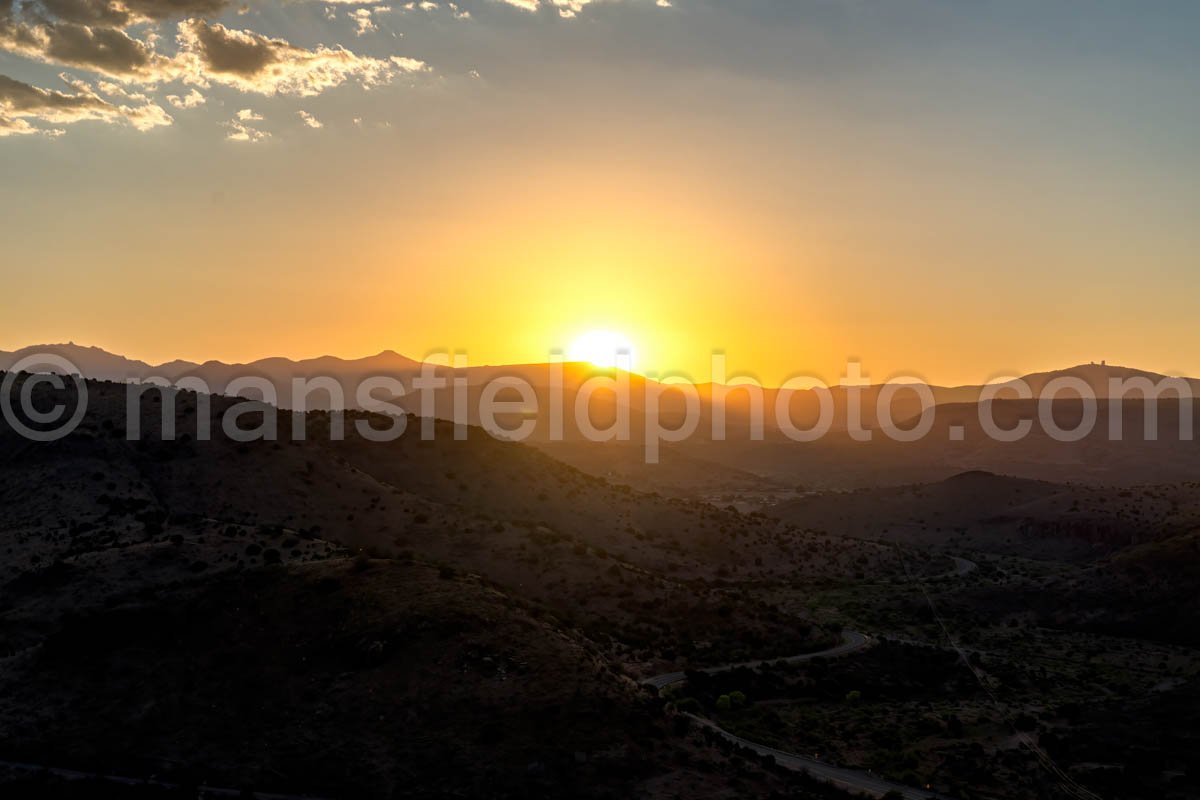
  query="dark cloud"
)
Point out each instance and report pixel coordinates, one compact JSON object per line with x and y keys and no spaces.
{"x":106,"y":50}
{"x":236,"y":52}
{"x":252,"y":62}
{"x":17,"y":97}
{"x":83,"y":12}
{"x":21,"y":102}
{"x":113,"y":14}
{"x":165,"y":9}
{"x":91,"y":33}
{"x":99,"y":36}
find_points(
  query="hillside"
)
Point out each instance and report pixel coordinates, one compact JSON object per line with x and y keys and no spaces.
{"x":982,"y":511}
{"x":495,"y":610}
{"x":142,"y":577}
{"x":700,"y":467}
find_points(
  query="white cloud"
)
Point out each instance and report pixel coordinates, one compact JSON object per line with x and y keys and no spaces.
{"x":239,"y":131}
{"x":310,"y":120}
{"x":566,"y":8}
{"x":20,"y":127}
{"x":116,"y":90}
{"x":363,"y":24}
{"x":192,"y":100}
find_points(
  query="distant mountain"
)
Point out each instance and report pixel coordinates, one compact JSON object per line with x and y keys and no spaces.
{"x":98,"y":364}
{"x":703,"y":465}
{"x":92,"y":362}
{"x":1096,"y":376}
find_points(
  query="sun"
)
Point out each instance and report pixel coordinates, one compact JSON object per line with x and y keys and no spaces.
{"x":603,"y":349}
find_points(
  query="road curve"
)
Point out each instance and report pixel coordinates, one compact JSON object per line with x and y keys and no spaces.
{"x":852,"y":641}
{"x":848,"y":779}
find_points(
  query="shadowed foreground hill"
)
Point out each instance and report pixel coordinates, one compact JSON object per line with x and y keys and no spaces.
{"x":335,"y":678}
{"x":642,"y":570}
{"x":356,"y":618}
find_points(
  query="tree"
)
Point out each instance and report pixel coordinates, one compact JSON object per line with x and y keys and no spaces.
{"x":724,"y":703}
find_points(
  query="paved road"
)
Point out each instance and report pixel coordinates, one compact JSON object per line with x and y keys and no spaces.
{"x":852,"y":641}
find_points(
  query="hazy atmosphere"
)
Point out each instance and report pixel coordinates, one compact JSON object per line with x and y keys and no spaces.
{"x":599,"y":400}
{"x":946,"y":190}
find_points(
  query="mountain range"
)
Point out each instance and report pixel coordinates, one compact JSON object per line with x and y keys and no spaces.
{"x":704,"y":465}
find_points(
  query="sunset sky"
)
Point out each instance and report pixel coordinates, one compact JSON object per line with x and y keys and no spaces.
{"x":944,"y":189}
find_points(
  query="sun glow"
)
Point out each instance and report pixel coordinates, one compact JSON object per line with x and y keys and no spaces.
{"x":603,"y":349}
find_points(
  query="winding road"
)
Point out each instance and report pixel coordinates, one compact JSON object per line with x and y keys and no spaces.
{"x":852,"y":641}
{"x":849,"y":779}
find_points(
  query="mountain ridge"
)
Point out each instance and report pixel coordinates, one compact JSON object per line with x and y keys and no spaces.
{"x":139,"y":369}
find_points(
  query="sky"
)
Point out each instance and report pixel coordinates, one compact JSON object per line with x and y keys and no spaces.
{"x":945,"y":190}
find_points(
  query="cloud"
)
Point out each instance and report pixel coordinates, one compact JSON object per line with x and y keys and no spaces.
{"x":122,"y":13}
{"x":21,"y":102}
{"x":192,"y":100}
{"x":20,"y":127}
{"x":86,"y":12}
{"x":252,"y":62}
{"x":239,"y":131}
{"x":108,"y":51}
{"x":244,"y":133}
{"x":361,"y":17}
{"x":117,"y":41}
{"x":116,"y":90}
{"x":568,"y":9}
{"x":91,"y":34}
{"x":363,"y":23}
{"x":310,"y":120}
{"x":165,"y":9}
